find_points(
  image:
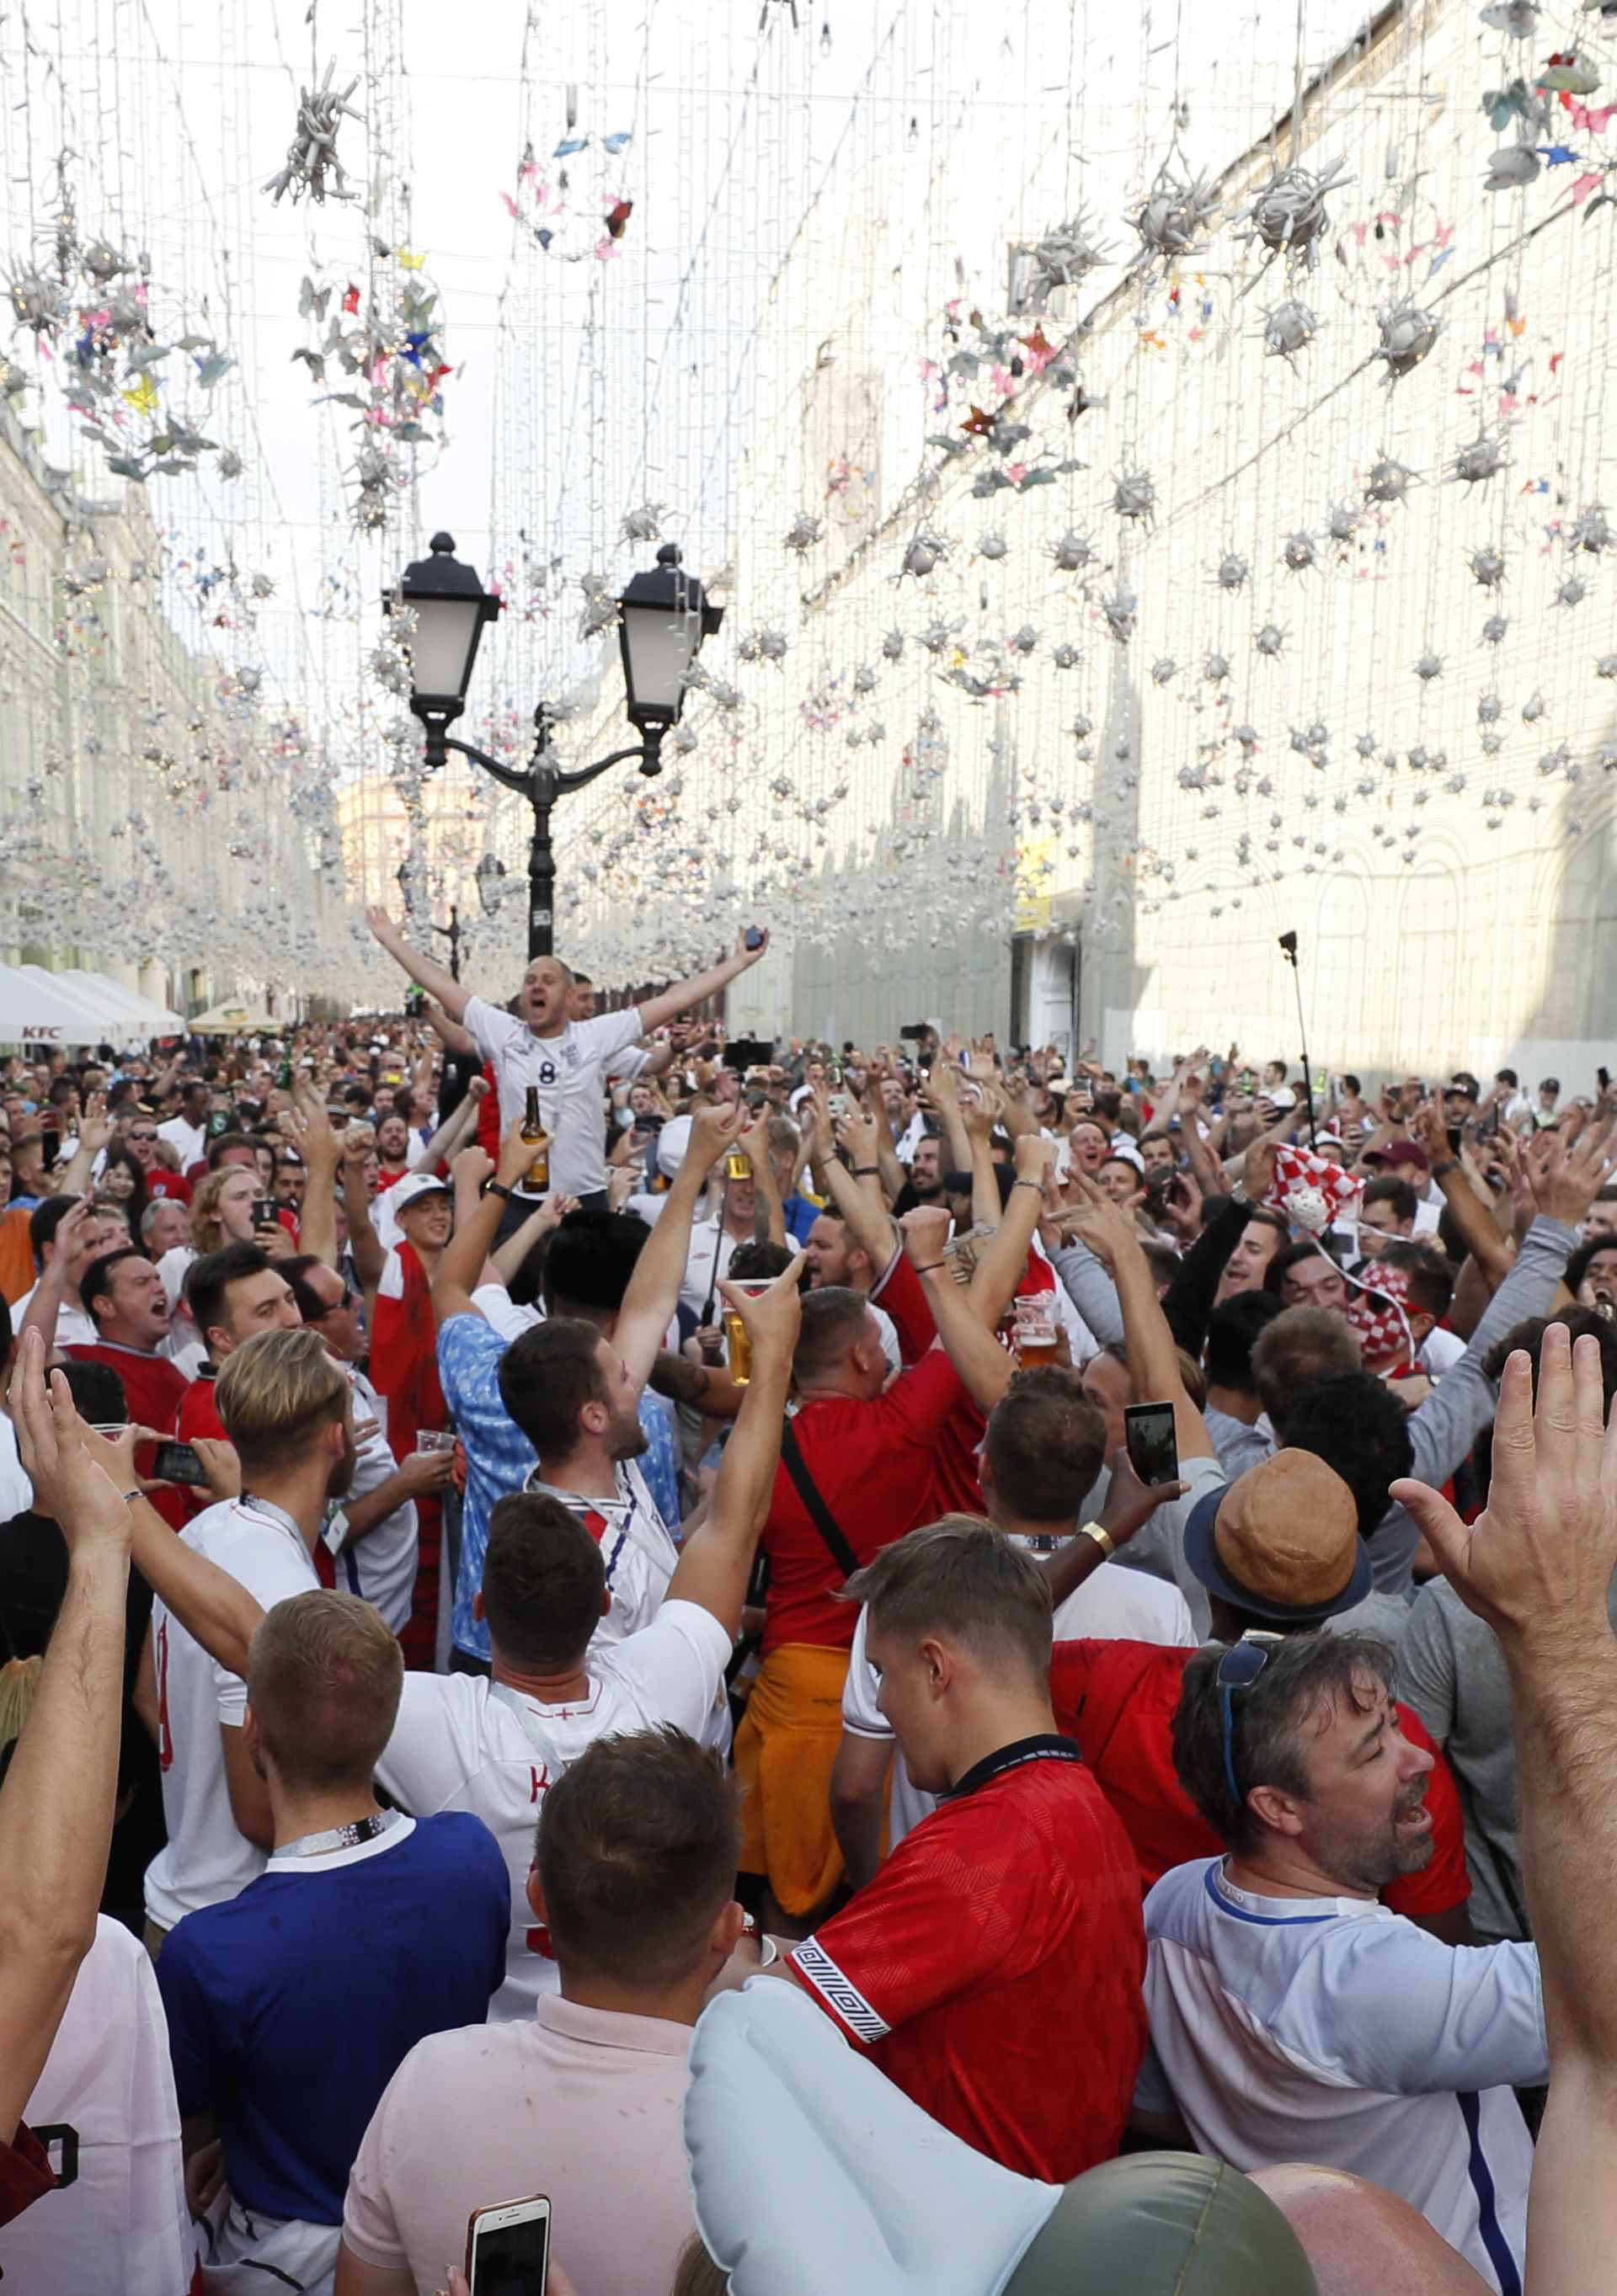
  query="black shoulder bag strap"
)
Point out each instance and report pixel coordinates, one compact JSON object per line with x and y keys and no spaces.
{"x":819,"y":1513}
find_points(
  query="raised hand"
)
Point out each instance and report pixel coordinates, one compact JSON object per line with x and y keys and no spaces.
{"x":925,"y":1229}
{"x":383,"y":929}
{"x":714,"y":1132}
{"x":1538,"y":1562}
{"x":69,"y":1487}
{"x":1565,"y":1177}
{"x":1097,"y":1221}
{"x":770,"y":1319}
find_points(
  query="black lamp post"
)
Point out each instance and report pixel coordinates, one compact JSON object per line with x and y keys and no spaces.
{"x":663,"y":616}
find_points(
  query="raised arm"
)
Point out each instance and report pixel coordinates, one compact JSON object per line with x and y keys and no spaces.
{"x":364,"y":1242}
{"x":967,"y":1322}
{"x":95,"y":1131}
{"x":307,"y":1124}
{"x":457,"y":1128}
{"x":717,"y":1561}
{"x":657,"y":1012}
{"x":450,"y":1033}
{"x":51,"y":1290}
{"x":941,"y":1094}
{"x":1153,"y":1358}
{"x":653,"y":1289}
{"x":477,"y":1217}
{"x":769,"y":1216}
{"x":1479,"y":1229}
{"x":57,"y":1804}
{"x":1537,"y":1565}
{"x":424,"y":971}
{"x":980,"y":1117}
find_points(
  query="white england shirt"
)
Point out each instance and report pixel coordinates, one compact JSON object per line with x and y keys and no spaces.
{"x":1118,"y":1605}
{"x":207,"y":1859}
{"x":75,"y":1328}
{"x":569,"y":1071}
{"x":379,"y":1567}
{"x":462,"y":1742}
{"x":637,"y":1548}
{"x":1331,"y":2029}
{"x":105,"y":2111}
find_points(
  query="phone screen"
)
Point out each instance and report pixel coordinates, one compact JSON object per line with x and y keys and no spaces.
{"x":1148,"y":1437}
{"x":511,"y":2260}
{"x":178,"y":1462}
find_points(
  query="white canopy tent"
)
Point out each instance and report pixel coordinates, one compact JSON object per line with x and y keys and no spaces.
{"x":233,"y":1019}
{"x":99,"y":1002}
{"x":151,"y":1018}
{"x":33,"y":1010}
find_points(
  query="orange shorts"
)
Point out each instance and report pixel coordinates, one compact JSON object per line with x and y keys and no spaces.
{"x":785,"y":1751}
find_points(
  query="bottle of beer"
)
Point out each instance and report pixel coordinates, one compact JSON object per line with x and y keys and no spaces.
{"x":538,"y":1179}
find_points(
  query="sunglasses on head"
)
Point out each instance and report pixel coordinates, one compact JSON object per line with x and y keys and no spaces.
{"x":332,"y":1306}
{"x":1238,"y":1670}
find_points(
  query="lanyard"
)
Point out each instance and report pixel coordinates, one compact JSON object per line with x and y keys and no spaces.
{"x":340,"y":1837}
{"x":249,"y":1503}
{"x":526,"y":1717}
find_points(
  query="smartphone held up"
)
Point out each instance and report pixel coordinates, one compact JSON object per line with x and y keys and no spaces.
{"x":1149,"y":1439}
{"x":508,"y":2248}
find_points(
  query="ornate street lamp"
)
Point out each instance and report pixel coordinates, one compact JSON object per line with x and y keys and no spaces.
{"x":663,"y":616}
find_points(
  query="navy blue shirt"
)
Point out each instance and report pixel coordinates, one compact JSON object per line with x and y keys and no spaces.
{"x":292,"y":2006}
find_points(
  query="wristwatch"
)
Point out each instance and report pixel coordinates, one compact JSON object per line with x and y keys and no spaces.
{"x":498,"y":1188}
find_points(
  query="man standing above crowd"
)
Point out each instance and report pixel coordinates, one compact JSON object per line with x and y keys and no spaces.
{"x":564,"y":1061}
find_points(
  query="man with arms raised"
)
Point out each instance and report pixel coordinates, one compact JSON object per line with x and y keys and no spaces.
{"x":564,"y":1061}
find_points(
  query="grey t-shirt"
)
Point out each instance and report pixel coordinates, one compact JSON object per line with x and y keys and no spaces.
{"x":1451,"y":1670}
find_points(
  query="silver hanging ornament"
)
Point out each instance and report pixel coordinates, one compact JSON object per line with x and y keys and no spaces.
{"x":1072,"y":552}
{"x":1593,"y":531}
{"x":1270,"y":640}
{"x":1487,"y":566}
{"x":1169,"y":221}
{"x":1216,"y":669}
{"x":1429,"y":666}
{"x":1289,"y":328}
{"x":1301,"y":553}
{"x":1231,"y":572}
{"x":1482,"y":457}
{"x":1407,"y":334}
{"x":1390,"y":480}
{"x":1289,"y":213}
{"x":1494,"y":629}
{"x":1134,"y":495}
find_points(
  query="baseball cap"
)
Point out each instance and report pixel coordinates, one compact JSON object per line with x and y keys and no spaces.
{"x":671,"y":1145}
{"x":412,"y":1188}
{"x":1282,"y":1541}
{"x":1402,"y":1151}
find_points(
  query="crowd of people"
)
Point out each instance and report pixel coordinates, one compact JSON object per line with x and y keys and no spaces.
{"x":524,"y":1527}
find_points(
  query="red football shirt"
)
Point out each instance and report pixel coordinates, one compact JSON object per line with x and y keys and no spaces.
{"x":26,"y":2174}
{"x":1117,"y":1699}
{"x":199,"y":1415}
{"x":872,"y":1463}
{"x":153,"y":1392}
{"x":994,"y":1966}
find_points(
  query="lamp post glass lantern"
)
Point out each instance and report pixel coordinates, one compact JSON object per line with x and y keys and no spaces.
{"x":663,"y":616}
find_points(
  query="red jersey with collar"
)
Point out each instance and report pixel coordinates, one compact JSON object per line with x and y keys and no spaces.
{"x":1118,"y":1700}
{"x":993,"y":1968}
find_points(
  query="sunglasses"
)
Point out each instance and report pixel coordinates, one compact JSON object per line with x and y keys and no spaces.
{"x":1238,"y":1670}
{"x":140,"y":1135}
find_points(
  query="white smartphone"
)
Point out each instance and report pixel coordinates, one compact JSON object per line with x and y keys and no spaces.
{"x":508,"y":2248}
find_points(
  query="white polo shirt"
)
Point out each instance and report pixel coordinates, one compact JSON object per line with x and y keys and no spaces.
{"x":207,"y":1859}
{"x":1123,"y":1605}
{"x":636,"y":1547}
{"x":569,"y":1072}
{"x":74,"y":1327}
{"x":1331,"y":2029}
{"x":462,"y":1742}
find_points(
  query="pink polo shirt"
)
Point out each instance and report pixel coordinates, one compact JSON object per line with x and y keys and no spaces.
{"x":581,"y":2104}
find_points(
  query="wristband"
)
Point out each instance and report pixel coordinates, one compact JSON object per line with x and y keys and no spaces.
{"x":1452,"y":1165}
{"x":1030,"y":1184}
{"x":1103,"y":1538}
{"x":930,"y":1267}
{"x":867,"y":1172}
{"x":498,"y":1188}
{"x":130,"y":1497}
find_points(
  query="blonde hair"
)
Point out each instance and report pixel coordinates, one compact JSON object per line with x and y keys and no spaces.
{"x":18,"y":1680}
{"x":323,"y":1676}
{"x":207,"y":1234}
{"x":275,"y":1394}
